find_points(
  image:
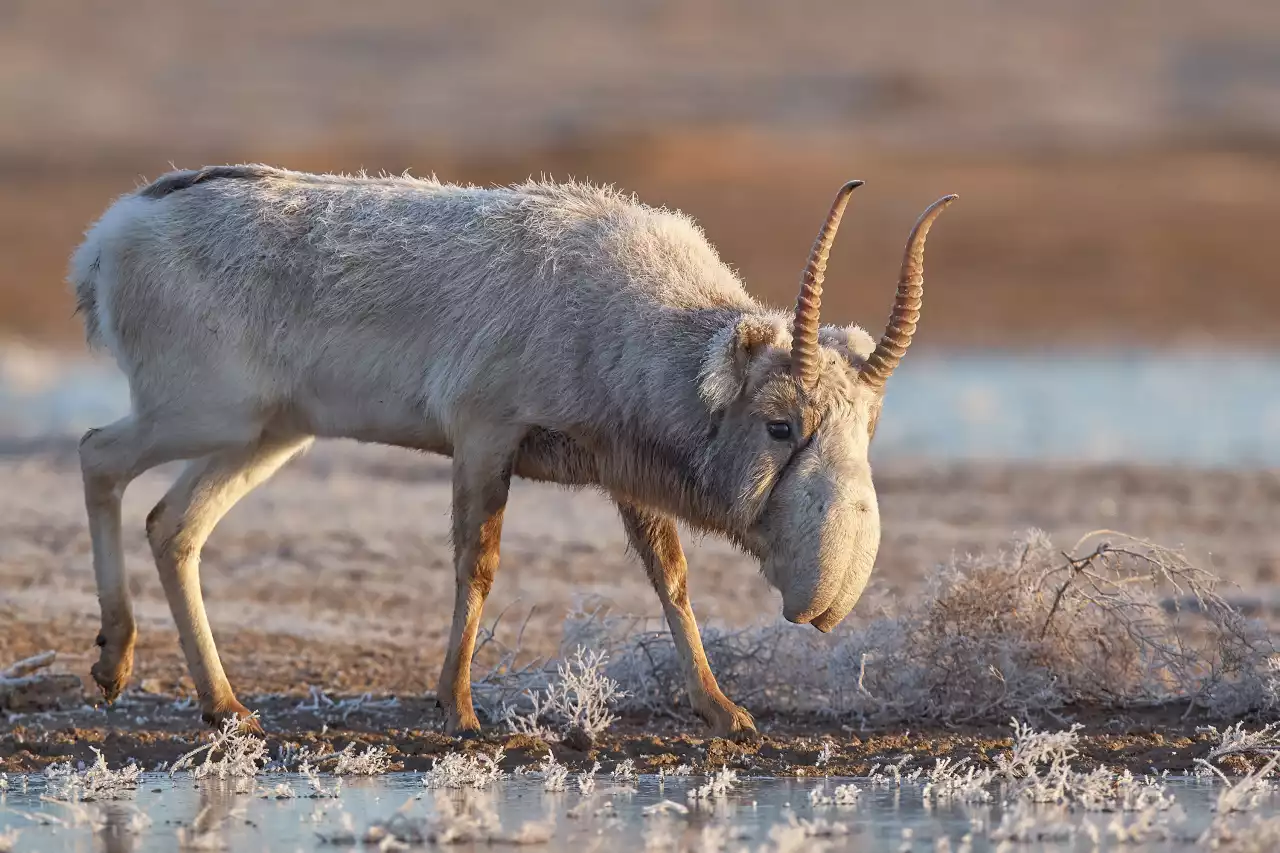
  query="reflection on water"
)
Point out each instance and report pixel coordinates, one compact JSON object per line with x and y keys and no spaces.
{"x":757,"y":814}
{"x":1172,"y":408}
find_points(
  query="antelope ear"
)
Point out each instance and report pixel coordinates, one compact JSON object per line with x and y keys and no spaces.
{"x":727,"y":363}
{"x":854,"y":343}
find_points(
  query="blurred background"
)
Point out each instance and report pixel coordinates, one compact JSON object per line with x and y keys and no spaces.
{"x":1117,"y":165}
{"x":1105,"y":292}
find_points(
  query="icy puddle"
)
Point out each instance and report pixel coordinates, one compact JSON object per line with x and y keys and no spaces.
{"x":285,"y":813}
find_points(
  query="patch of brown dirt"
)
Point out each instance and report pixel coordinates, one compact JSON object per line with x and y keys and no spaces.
{"x":1053,"y":250}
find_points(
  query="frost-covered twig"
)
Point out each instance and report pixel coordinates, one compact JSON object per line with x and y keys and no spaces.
{"x":98,"y":782}
{"x":373,"y":761}
{"x":27,"y":666}
{"x":1038,"y":770}
{"x":242,"y":754}
{"x":460,"y":770}
{"x":580,"y":697}
{"x":1234,"y":740}
{"x":716,"y":788}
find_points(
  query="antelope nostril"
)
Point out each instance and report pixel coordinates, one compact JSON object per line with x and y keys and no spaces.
{"x":797,"y":616}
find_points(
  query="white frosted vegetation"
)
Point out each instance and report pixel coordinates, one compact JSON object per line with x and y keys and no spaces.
{"x":97,"y":782}
{"x":460,"y":770}
{"x":1115,"y":621}
{"x":372,"y":761}
{"x":231,"y":753}
{"x":952,"y":781}
{"x":580,"y":697}
{"x":716,"y":788}
{"x":1044,"y":789}
{"x":1040,"y":790}
{"x":1235,"y":740}
{"x":555,"y":776}
{"x":1039,"y":769}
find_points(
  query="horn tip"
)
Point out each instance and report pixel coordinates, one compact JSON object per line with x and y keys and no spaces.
{"x":849,"y":186}
{"x":937,"y":207}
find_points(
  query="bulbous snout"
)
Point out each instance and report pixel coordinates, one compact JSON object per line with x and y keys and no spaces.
{"x":820,"y":531}
{"x":831,"y":565}
{"x":854,"y":583}
{"x":827,"y":606}
{"x":801,"y":605}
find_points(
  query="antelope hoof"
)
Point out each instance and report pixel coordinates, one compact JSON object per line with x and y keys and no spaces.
{"x":464,"y":727}
{"x":735,"y":724}
{"x":218,"y":716}
{"x":114,"y":667}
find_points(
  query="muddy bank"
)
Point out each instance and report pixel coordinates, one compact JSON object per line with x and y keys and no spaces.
{"x":153,"y":729}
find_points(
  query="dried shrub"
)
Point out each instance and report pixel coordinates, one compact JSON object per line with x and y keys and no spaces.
{"x":1125,"y":623}
{"x":1115,"y":621}
{"x":581,"y":697}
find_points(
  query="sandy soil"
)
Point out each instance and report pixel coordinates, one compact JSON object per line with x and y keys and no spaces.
{"x":336,"y":575}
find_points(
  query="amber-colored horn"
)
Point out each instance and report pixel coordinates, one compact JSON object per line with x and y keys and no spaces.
{"x":804,"y":331}
{"x":906,"y":304}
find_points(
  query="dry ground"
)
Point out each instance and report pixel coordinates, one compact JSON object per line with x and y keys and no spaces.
{"x":336,"y":574}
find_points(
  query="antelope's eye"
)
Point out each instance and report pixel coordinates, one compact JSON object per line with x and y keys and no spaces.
{"x":779,"y":430}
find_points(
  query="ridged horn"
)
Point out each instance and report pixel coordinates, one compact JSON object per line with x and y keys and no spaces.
{"x":906,"y":304}
{"x":804,"y":330}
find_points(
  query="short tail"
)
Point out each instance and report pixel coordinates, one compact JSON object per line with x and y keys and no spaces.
{"x":86,"y":286}
{"x":111,"y":231}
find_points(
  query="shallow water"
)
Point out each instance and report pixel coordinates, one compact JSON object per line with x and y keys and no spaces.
{"x":1174,"y":408}
{"x":751,"y":817}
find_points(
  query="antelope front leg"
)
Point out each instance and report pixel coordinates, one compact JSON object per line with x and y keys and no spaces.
{"x":481,"y":480}
{"x":655,"y":538}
